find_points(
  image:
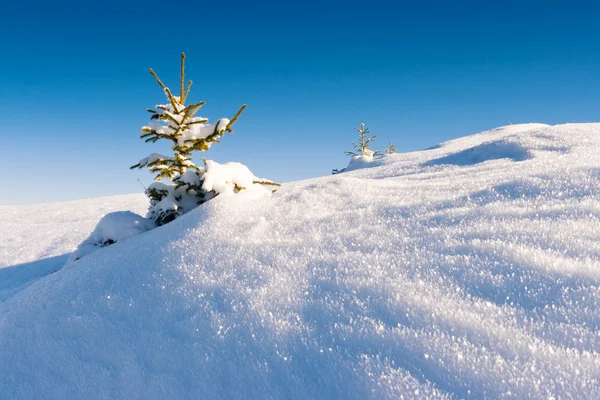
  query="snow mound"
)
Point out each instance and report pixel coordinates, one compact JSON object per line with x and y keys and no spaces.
{"x":112,"y":228}
{"x":225,"y":179}
{"x":31,"y":233}
{"x":37,"y":240}
{"x":359,"y":162}
{"x":448,"y":280}
{"x":513,"y":142}
{"x":485,"y":152}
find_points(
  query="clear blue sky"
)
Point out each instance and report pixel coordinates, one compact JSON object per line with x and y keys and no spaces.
{"x":74,"y":84}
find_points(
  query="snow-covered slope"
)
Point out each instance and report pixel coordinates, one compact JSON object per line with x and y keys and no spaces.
{"x":37,"y":240}
{"x":469,"y":270}
{"x":31,"y":233}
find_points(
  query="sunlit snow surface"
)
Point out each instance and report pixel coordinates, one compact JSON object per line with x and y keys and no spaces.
{"x":37,"y":240}
{"x":470,"y":270}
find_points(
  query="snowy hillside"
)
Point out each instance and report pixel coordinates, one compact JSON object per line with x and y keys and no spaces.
{"x":469,"y":270}
{"x":36,"y":240}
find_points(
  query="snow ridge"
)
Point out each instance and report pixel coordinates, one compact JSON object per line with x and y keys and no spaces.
{"x":467,"y":270}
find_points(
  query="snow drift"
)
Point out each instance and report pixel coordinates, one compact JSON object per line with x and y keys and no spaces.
{"x":467,"y":270}
{"x":112,"y":228}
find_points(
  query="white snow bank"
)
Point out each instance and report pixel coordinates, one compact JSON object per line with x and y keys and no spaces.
{"x":358,"y":162}
{"x":33,"y":232}
{"x":36,"y":240}
{"x":112,"y":228}
{"x":476,"y":280}
{"x":485,"y":152}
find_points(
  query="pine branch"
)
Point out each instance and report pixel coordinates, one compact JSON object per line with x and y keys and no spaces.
{"x":153,"y":136}
{"x":266,"y":182}
{"x":183,"y":150}
{"x":200,"y":121}
{"x":162,"y":85}
{"x":172,"y":100}
{"x":195,"y":107}
{"x":170,"y":117}
{"x":182,"y":79}
{"x":157,"y":137}
{"x":235,"y":117}
{"x":187,"y":91}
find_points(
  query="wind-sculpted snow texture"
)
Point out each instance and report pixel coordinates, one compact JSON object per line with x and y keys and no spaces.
{"x":471,"y":270}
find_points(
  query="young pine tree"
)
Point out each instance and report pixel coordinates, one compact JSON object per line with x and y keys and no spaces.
{"x":177,"y":123}
{"x":362,"y":153}
{"x":391,"y":148}
{"x":362,"y":147}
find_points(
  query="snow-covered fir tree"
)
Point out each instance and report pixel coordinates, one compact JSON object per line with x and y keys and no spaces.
{"x":391,"y":149}
{"x":362,"y":147}
{"x":362,"y":153}
{"x":188,"y":185}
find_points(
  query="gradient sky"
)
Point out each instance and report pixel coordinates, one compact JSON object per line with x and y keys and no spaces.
{"x":74,"y":82}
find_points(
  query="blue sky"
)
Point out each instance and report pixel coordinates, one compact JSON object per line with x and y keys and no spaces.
{"x":74,"y":82}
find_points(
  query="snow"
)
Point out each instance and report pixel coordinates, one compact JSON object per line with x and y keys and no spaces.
{"x":198,"y":185}
{"x":485,"y":152}
{"x":154,"y":157}
{"x":190,"y":177}
{"x":469,"y":270}
{"x":33,"y":232}
{"x":200,"y":131}
{"x":359,"y":162}
{"x":112,"y":228}
{"x":223,"y":178}
{"x":37,"y":240}
{"x":195,"y":127}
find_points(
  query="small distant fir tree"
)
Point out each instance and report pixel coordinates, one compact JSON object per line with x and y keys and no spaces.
{"x":178,"y":124}
{"x":362,"y":147}
{"x":391,"y":149}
